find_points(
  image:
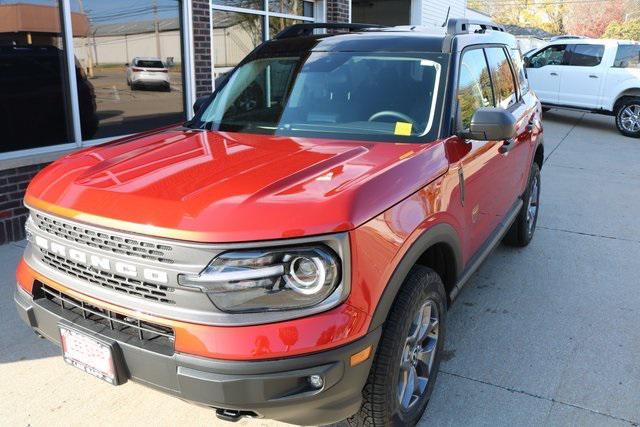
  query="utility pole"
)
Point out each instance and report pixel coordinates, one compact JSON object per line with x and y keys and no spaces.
{"x":156,"y":25}
{"x":87,"y":49}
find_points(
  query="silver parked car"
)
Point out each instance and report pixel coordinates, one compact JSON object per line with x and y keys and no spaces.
{"x":148,"y":72}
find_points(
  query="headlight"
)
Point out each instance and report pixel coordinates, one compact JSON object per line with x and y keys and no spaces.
{"x":269,"y":279}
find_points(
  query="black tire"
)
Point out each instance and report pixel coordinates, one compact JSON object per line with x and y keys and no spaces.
{"x":381,"y":404}
{"x":522,"y":230}
{"x":623,"y":110}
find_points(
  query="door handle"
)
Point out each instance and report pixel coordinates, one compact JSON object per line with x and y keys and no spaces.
{"x":507,"y":145}
{"x":553,"y":74}
{"x":593,"y":76}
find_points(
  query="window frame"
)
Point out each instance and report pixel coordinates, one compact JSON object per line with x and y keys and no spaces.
{"x":27,"y":155}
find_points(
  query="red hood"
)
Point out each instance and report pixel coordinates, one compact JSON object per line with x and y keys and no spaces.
{"x":229,"y":187}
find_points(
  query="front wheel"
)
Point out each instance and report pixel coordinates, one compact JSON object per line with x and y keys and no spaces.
{"x":628,"y":117}
{"x":522,"y":229}
{"x":406,"y":364}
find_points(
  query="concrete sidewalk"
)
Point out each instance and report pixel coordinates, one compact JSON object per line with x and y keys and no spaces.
{"x":546,"y":335}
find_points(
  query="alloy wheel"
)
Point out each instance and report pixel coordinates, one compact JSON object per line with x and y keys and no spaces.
{"x":418,"y":355}
{"x":630,"y":118}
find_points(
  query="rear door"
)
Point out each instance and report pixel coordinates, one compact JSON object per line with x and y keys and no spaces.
{"x":582,"y":78}
{"x":544,"y":70}
{"x":513,"y":165}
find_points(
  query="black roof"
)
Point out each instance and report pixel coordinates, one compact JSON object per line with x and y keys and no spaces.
{"x":362,"y":38}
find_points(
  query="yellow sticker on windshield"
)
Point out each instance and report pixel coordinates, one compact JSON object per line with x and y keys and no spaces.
{"x":403,"y":129}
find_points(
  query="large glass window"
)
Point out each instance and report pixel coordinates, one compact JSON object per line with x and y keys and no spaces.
{"x":245,"y":4}
{"x":241,"y":25}
{"x":292,"y":7}
{"x":235,"y":35}
{"x":474,"y":85}
{"x":130,"y":61}
{"x":34,"y":96}
{"x":331,"y":94}
{"x":504,"y":87}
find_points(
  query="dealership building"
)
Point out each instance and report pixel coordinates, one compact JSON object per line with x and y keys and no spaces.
{"x":63,"y":67}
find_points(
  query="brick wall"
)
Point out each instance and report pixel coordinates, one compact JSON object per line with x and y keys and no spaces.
{"x":202,"y":46}
{"x":13,"y":214}
{"x":338,"y":10}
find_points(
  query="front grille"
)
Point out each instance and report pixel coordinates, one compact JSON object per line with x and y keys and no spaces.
{"x":116,"y":282}
{"x":103,"y":240}
{"x":131,"y":327}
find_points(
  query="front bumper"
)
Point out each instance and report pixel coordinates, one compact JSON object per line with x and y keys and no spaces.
{"x":275,"y":389}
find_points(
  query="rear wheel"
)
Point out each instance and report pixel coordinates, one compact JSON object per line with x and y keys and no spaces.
{"x":628,"y":117}
{"x":408,"y":357}
{"x":522,"y":229}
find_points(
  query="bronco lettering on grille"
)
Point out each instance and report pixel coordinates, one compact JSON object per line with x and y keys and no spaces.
{"x":102,"y":263}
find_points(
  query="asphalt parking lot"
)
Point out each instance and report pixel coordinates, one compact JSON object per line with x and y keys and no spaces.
{"x":545,"y":335}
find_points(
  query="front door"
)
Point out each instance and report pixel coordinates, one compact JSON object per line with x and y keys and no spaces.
{"x":545,"y":69}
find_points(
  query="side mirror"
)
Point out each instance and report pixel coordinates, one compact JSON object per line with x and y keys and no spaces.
{"x":527,"y":62}
{"x":491,"y":124}
{"x":199,"y":103}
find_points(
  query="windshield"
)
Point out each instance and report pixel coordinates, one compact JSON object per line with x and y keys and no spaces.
{"x":346,"y":95}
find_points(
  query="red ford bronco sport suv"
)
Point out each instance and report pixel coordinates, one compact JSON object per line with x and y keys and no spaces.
{"x":290,"y":253}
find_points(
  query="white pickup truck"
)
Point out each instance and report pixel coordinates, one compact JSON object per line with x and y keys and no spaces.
{"x":595,"y":75}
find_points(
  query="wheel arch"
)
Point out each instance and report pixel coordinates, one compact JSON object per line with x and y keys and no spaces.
{"x":438,"y":248}
{"x":632,"y":92}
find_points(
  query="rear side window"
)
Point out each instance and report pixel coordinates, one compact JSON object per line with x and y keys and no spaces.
{"x":474,"y":85}
{"x":586,"y":55}
{"x":552,"y":55}
{"x":627,"y":56}
{"x":518,"y":65}
{"x":504,"y":87}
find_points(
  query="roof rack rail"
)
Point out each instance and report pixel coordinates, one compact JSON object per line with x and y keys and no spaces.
{"x":301,"y":30}
{"x":462,"y":26}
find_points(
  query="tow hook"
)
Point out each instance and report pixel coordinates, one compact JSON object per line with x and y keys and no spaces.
{"x":232,"y":415}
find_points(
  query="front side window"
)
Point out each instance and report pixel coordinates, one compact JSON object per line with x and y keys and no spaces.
{"x":627,"y":56}
{"x":586,"y":55}
{"x":552,"y":55}
{"x":367,"y":96}
{"x":504,"y":87}
{"x":474,"y":86}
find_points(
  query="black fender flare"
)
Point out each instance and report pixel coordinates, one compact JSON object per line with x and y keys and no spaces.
{"x":439,"y":233}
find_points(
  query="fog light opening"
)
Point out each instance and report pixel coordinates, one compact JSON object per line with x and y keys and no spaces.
{"x":316,"y":381}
